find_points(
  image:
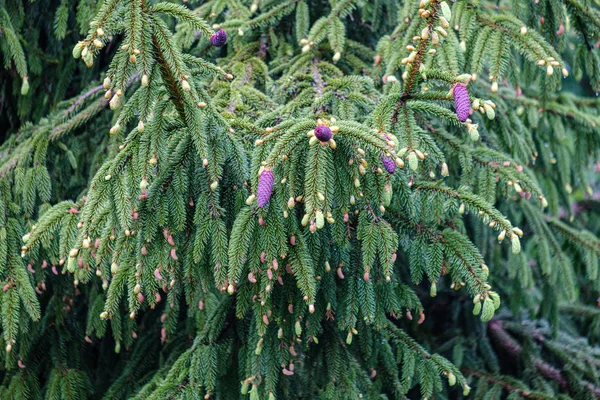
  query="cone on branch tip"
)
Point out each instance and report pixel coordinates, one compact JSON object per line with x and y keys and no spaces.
{"x":219,"y":39}
{"x":388,"y":164}
{"x":323,"y":133}
{"x":461,"y":102}
{"x":265,"y":187}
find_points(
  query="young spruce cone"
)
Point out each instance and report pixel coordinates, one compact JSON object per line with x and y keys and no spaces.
{"x":388,"y":164}
{"x":323,"y":133}
{"x":219,"y":39}
{"x":461,"y":102}
{"x":265,"y":187}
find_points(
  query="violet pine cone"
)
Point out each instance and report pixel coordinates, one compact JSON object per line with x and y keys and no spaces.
{"x":265,"y":187}
{"x":461,"y":102}
{"x":219,"y":39}
{"x":388,"y":164}
{"x":323,"y":133}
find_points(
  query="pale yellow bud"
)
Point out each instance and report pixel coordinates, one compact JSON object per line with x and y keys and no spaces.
{"x":115,"y":102}
{"x":501,"y":236}
{"x":115,"y":129}
{"x":445,"y":171}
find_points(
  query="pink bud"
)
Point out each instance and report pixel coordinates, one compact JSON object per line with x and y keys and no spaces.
{"x":201,"y":305}
{"x":293,"y":351}
{"x":79,"y":263}
{"x":346,"y":216}
{"x":293,"y":240}
{"x":280,"y":280}
{"x":144,"y":250}
{"x":287,"y":372}
{"x":170,"y":240}
{"x":251,"y":277}
{"x":421,"y":318}
{"x":20,"y":364}
{"x":561,"y":30}
{"x":373,"y":374}
{"x":140,"y":297}
{"x":30,"y":268}
{"x":97,"y":244}
{"x":157,"y":297}
{"x":366,"y":277}
{"x":340,"y":274}
{"x":409,"y":315}
{"x":262,"y":257}
{"x":163,"y":335}
{"x":54,"y":271}
{"x":261,"y":221}
{"x":5,"y":288}
{"x":174,"y":254}
{"x":265,"y":319}
{"x":270,"y":273}
{"x":291,"y":308}
{"x":157,"y":274}
{"x":275,"y":264}
{"x":88,"y":340}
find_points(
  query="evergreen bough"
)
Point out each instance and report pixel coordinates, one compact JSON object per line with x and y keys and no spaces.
{"x":291,"y":199}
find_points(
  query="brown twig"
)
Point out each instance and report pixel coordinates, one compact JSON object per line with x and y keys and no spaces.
{"x":513,"y":348}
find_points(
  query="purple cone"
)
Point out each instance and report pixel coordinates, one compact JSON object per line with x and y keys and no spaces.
{"x":323,"y":133}
{"x":389,"y":164}
{"x":265,"y":187}
{"x":219,"y":39}
{"x":461,"y":102}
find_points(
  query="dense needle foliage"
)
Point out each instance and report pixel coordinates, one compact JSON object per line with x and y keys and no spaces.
{"x":294,"y":199}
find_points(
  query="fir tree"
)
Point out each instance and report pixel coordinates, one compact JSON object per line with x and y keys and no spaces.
{"x":291,"y":199}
